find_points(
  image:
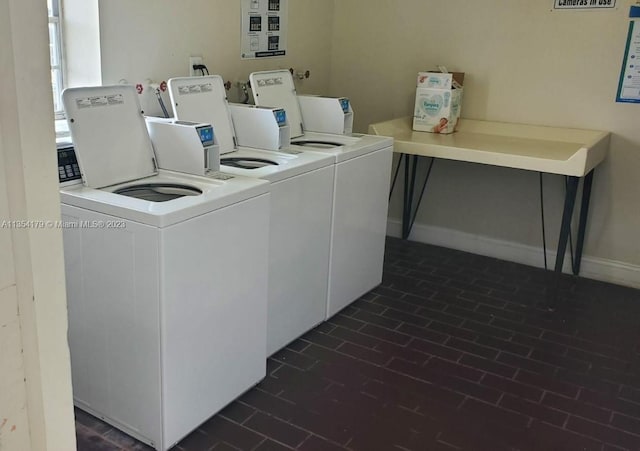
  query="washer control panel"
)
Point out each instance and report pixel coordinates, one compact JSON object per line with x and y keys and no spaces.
{"x":68,"y":169}
{"x":344,"y":104}
{"x":281,"y":117}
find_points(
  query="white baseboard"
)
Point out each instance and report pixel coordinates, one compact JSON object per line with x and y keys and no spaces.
{"x":591,"y":267}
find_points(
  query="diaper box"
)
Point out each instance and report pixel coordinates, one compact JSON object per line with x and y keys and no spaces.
{"x":438,"y":101}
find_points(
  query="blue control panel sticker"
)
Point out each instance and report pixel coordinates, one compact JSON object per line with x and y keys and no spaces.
{"x":344,"y":103}
{"x":206,"y":135}
{"x":281,"y":117}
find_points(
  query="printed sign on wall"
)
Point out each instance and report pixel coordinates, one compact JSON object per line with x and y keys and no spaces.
{"x":629,"y":84}
{"x":263,"y":28}
{"x":583,"y":4}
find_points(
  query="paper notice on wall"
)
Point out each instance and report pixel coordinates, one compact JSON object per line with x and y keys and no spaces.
{"x":629,"y":84}
{"x":583,"y":4}
{"x":263,"y":28}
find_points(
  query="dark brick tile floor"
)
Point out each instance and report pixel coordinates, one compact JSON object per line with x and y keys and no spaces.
{"x":452,"y":351}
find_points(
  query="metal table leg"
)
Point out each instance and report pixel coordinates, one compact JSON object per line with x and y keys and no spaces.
{"x":406,"y":202}
{"x":395,"y":175}
{"x":565,"y":228}
{"x":582,"y":225}
{"x":411,"y":166}
{"x":409,"y":211}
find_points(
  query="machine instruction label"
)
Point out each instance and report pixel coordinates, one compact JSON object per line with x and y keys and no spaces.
{"x":195,"y":89}
{"x":216,"y":175}
{"x":263,"y":28}
{"x":100,"y":101}
{"x":270,"y":81}
{"x":584,"y":4}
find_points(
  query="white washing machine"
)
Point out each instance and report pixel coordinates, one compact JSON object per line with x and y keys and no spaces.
{"x":360,"y":198}
{"x":166,"y":277}
{"x":301,"y":202}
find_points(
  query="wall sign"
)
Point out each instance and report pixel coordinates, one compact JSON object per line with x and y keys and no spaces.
{"x":584,"y":4}
{"x":629,"y":84}
{"x":263,"y":28}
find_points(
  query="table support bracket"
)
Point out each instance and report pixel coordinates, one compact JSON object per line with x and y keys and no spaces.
{"x":565,"y":231}
{"x":582,"y":224}
{"x":409,"y":211}
{"x":395,"y":174}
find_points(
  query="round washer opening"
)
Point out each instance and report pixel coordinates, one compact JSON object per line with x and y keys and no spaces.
{"x":158,"y":192}
{"x":247,"y":163}
{"x":317,"y":144}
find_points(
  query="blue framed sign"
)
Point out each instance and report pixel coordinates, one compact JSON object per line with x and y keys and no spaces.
{"x":629,"y":83}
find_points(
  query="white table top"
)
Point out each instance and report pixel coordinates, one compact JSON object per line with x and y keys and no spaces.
{"x":566,"y":151}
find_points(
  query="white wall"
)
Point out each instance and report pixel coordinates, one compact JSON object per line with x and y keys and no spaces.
{"x":14,"y":426}
{"x":153,"y":39}
{"x":523,"y":63}
{"x":36,"y":410}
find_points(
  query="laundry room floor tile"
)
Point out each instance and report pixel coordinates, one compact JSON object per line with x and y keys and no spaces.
{"x":452,"y":351}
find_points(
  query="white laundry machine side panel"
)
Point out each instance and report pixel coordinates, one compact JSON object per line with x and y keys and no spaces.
{"x":300,"y":234}
{"x":214,"y":306}
{"x":359,"y":227}
{"x":112,"y":292}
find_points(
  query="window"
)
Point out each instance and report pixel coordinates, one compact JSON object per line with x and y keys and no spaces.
{"x":55,"y":51}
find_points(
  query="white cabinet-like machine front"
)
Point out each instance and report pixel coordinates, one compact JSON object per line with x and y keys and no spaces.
{"x":362,"y":166}
{"x":166,"y":277}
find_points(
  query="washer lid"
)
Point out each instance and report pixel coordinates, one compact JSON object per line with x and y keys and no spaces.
{"x":204,"y":99}
{"x":109,"y":134}
{"x":276,"y":89}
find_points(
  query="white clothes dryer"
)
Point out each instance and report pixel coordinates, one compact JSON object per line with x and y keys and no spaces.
{"x":362,"y":165}
{"x":300,"y":219}
{"x":164,"y":327}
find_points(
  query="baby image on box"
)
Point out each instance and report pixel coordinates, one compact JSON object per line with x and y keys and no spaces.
{"x":438,"y":102}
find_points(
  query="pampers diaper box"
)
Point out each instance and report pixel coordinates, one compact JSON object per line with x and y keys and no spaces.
{"x":438,"y":101}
